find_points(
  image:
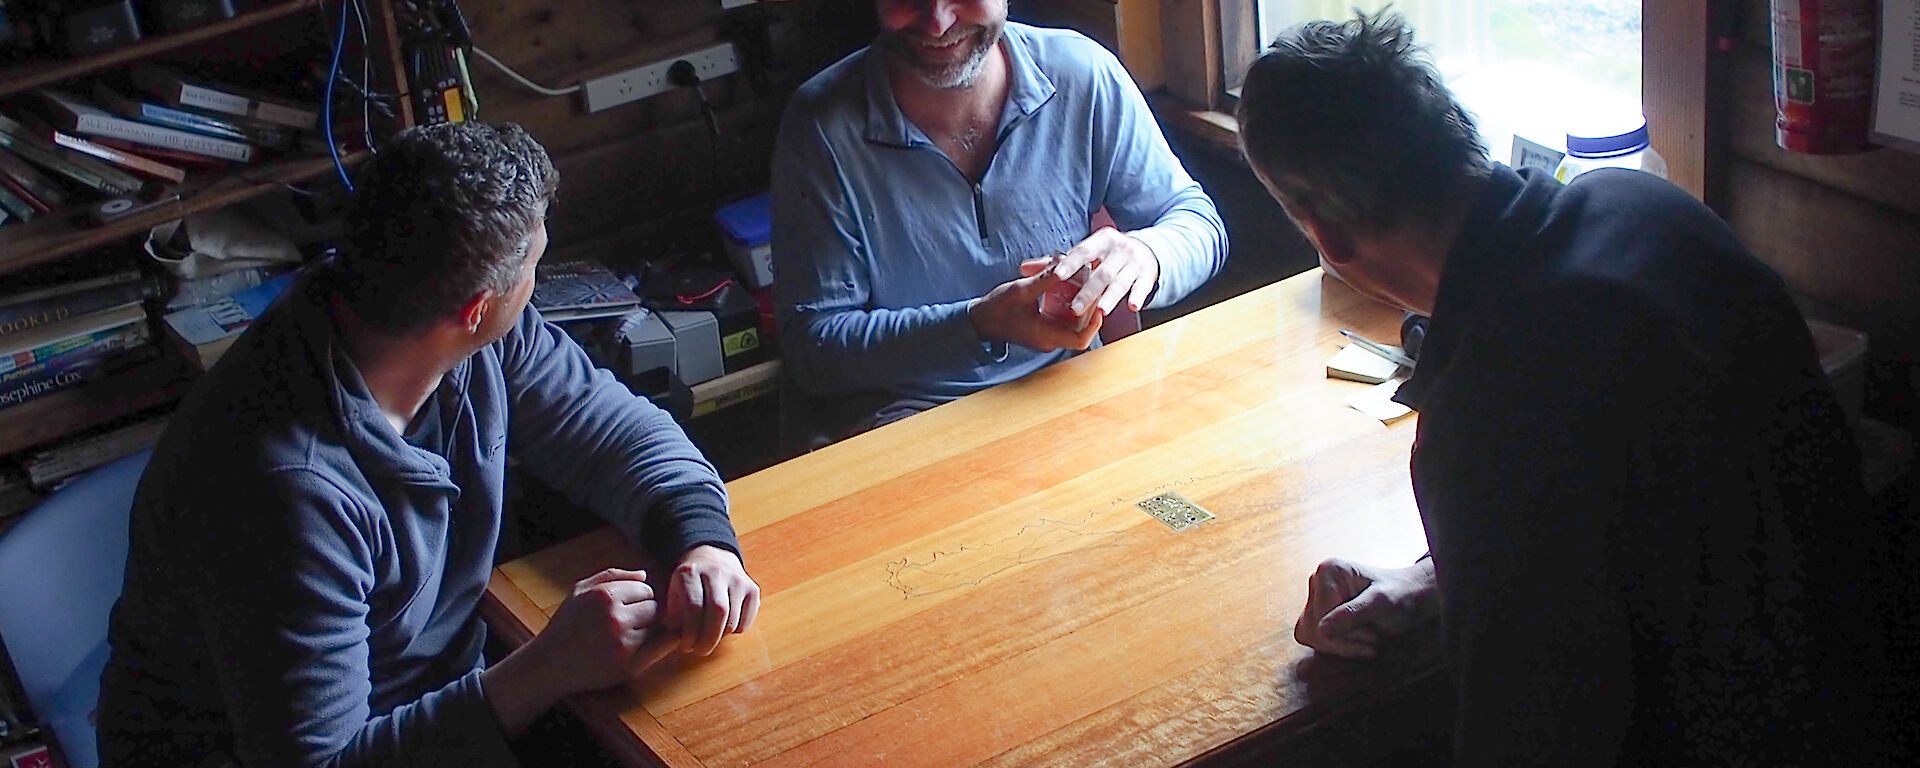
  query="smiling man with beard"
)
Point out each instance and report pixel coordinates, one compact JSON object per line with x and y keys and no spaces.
{"x":920,"y":187}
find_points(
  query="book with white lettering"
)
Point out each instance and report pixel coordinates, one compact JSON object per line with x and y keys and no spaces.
{"x":69,"y":112}
{"x":178,"y":91}
{"x":65,"y":162}
{"x":232,"y":127}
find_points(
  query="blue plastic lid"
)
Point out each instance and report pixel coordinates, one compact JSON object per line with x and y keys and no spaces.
{"x":1608,"y":143}
{"x":749,"y":221}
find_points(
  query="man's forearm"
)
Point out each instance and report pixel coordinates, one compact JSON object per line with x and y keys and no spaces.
{"x":1191,"y":245}
{"x":853,"y":350}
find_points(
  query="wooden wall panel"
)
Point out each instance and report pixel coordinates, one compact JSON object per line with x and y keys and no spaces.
{"x":1129,"y":28}
{"x":1190,"y":31}
{"x":1844,"y":230}
{"x":646,"y":167}
{"x":1854,"y":258}
{"x":1676,"y":83}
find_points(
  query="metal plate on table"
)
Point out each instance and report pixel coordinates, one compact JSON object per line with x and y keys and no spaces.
{"x":1176,"y":511}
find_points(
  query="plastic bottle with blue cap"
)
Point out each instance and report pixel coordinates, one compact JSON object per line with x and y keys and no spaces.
{"x":1604,"y":146}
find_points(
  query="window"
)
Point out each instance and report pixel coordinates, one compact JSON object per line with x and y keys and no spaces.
{"x":1531,"y":67}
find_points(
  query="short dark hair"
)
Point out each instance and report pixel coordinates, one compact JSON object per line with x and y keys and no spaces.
{"x":1352,"y":128}
{"x":442,"y":213}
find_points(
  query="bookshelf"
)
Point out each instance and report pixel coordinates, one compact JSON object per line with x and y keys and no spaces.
{"x":32,"y":75}
{"x":45,"y":419}
{"x":51,"y":237}
{"x":54,"y":236}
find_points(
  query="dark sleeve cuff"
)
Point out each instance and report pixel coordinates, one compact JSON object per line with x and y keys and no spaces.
{"x":689,"y":520}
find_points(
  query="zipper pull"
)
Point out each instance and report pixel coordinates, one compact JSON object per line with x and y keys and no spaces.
{"x":980,"y":211}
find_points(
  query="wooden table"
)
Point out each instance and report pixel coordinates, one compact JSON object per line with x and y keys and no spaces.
{"x":975,"y":585}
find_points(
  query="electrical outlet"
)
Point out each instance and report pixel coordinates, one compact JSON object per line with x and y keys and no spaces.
{"x":644,"y":81}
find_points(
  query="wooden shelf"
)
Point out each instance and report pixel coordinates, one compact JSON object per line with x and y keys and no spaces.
{"x":50,"y":417}
{"x":39,"y":73}
{"x":735,"y":388}
{"x":58,"y":234}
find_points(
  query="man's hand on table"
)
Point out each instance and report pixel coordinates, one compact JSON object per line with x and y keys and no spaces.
{"x":1351,"y":607}
{"x":1124,"y":269}
{"x":1010,"y":313}
{"x":601,"y":635}
{"x":710,"y":596}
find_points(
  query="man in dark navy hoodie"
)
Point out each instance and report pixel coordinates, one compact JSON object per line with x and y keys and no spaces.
{"x":312,"y":539}
{"x":1650,"y":544}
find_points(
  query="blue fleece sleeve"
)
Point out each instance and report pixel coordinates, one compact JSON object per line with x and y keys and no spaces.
{"x":1147,"y":191}
{"x":831,"y":340}
{"x":282,"y":597}
{"x":576,"y":427}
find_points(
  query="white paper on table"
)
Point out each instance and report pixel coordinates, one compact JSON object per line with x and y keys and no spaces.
{"x":1377,"y":401}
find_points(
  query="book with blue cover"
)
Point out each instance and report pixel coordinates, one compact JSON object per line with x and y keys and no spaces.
{"x":205,"y":332}
{"x":104,"y":347}
{"x":77,"y":367}
{"x":25,"y":346}
{"x":232,"y":127}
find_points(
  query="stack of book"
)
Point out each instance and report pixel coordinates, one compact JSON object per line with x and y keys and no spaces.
{"x":203,"y":331}
{"x":58,"y":334}
{"x":49,"y":468}
{"x":83,"y":142}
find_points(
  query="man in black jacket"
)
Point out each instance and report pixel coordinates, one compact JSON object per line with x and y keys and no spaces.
{"x":1650,"y":544}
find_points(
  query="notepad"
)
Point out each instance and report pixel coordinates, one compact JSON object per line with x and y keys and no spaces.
{"x":1377,"y":401}
{"x":1355,"y":363}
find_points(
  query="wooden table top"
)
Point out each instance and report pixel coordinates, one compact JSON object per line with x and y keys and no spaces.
{"x":976,"y":585}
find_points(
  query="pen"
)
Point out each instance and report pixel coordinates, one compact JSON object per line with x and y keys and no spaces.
{"x":1368,"y":345}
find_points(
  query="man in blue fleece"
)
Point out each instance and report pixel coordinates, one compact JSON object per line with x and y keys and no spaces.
{"x":312,"y":539}
{"x":920,"y":186}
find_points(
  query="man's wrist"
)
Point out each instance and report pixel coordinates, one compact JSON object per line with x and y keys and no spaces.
{"x":519,"y":689}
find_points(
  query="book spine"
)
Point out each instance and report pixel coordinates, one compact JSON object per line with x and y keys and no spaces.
{"x":123,"y":159}
{"x":207,"y":98}
{"x":122,"y":277}
{"x":16,"y":392}
{"x":34,"y":182}
{"x":47,"y":157}
{"x":293,"y":117}
{"x":50,"y":350}
{"x":103,"y":347}
{"x":7,"y":183}
{"x":188,"y":121}
{"x":12,"y":204}
{"x":168,"y":138}
{"x":15,"y":318}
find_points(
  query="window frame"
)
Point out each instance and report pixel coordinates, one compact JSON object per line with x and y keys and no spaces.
{"x":1677,"y":67}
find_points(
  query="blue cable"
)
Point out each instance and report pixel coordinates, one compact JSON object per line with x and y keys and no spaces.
{"x":326,"y":106}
